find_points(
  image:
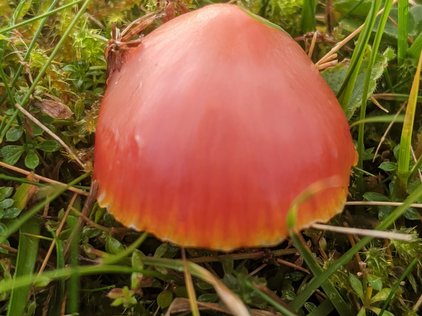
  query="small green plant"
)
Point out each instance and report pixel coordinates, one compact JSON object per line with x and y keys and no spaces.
{"x":371,"y":298}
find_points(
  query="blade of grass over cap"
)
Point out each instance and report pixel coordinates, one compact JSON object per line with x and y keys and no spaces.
{"x":403,"y":165}
{"x":315,"y":283}
{"x":330,"y":290}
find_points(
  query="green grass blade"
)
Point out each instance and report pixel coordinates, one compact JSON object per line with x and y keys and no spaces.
{"x":283,"y":310}
{"x":14,"y":226}
{"x":333,"y":295}
{"x":33,"y":42}
{"x":407,"y":131}
{"x":416,"y":47}
{"x":43,"y":279}
{"x":308,"y":15}
{"x":25,"y":263}
{"x":43,"y":69}
{"x":379,"y":119}
{"x":74,"y":286}
{"x":303,"y":296}
{"x":59,"y":290}
{"x":346,"y":90}
{"x":374,"y":52}
{"x":402,"y":28}
{"x":330,"y":290}
{"x":325,"y":308}
{"x":9,"y":86}
{"x":48,"y":13}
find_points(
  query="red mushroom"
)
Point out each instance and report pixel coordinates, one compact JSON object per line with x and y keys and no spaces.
{"x":212,"y":127}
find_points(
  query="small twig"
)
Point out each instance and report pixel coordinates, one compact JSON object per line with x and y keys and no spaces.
{"x":331,"y":58}
{"x":384,"y":136}
{"x":262,"y":266}
{"x":90,"y":200}
{"x":364,"y":232}
{"x":292,"y":265}
{"x":327,"y":65}
{"x":382,"y":203}
{"x":375,"y":101}
{"x":49,"y":132}
{"x":352,"y":240}
{"x":340,"y":44}
{"x":58,"y":231}
{"x":256,"y":255}
{"x":390,"y":96}
{"x":418,"y":304}
{"x":313,"y":42}
{"x":41,"y":178}
{"x":415,"y":159}
{"x":93,"y":224}
{"x":8,"y":248}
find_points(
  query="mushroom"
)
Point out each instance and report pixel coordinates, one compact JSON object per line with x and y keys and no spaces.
{"x":212,"y":128}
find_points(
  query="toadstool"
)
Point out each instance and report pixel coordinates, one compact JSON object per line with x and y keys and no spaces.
{"x":212,"y":127}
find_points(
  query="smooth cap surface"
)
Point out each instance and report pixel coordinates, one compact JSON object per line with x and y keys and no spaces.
{"x":212,"y":127}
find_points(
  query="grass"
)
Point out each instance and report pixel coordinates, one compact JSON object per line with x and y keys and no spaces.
{"x":61,"y":253}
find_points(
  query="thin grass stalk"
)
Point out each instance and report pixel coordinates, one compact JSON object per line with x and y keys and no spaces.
{"x":372,"y":58}
{"x":60,"y":287}
{"x":45,"y":278}
{"x":416,"y":166}
{"x":4,"y":30}
{"x":402,"y":29}
{"x":379,"y":119}
{"x":403,"y":163}
{"x":280,"y":308}
{"x":315,"y":283}
{"x":395,"y":97}
{"x":346,"y":90}
{"x":190,"y":289}
{"x":334,"y":296}
{"x":74,"y":281}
